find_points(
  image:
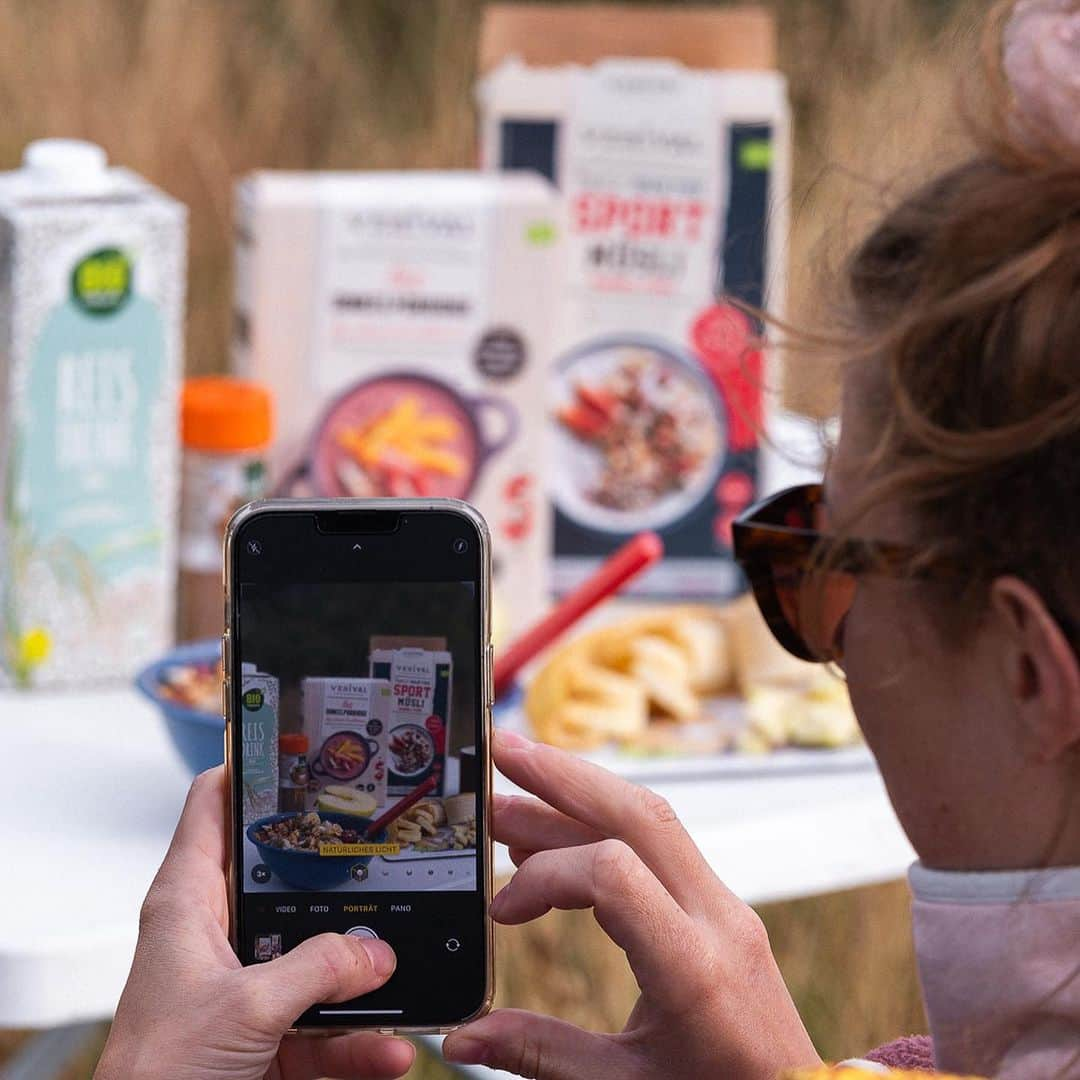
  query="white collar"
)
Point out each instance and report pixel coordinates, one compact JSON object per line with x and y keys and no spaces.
{"x":994,"y":886}
{"x":998,"y":963}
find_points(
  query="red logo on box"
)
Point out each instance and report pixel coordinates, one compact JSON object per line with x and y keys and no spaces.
{"x":723,"y":338}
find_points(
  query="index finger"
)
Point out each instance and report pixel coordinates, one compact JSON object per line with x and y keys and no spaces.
{"x":663,"y":945}
{"x":617,"y":808}
{"x":201,"y":828}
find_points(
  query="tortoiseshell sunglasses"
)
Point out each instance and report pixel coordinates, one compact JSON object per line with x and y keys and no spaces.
{"x":805,"y":597}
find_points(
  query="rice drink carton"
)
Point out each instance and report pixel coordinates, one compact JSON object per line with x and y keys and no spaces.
{"x":667,"y":135}
{"x":91,"y":309}
{"x":403,"y":321}
{"x":346,"y":722}
{"x":420,"y":686}
{"x":259,"y":735}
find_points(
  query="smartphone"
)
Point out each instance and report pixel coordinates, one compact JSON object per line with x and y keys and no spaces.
{"x":357,"y":673}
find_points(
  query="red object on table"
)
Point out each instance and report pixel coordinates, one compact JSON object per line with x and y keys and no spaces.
{"x":631,"y":559}
{"x":401,"y":806}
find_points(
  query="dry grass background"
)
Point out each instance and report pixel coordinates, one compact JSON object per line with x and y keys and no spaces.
{"x":192,"y":93}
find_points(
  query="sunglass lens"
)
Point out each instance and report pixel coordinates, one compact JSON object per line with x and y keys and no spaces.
{"x":814,"y":604}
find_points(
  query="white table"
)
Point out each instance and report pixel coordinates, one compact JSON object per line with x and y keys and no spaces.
{"x":91,"y":800}
{"x":93,"y":789}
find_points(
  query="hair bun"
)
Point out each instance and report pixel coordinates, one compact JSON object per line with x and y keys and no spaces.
{"x":1041,"y":59}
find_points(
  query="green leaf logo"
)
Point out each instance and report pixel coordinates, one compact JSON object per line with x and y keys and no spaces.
{"x":756,"y":155}
{"x":540,"y":233}
{"x":101,"y":282}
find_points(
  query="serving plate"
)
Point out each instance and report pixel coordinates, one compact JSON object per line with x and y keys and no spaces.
{"x":409,"y":852}
{"x":726,"y":716}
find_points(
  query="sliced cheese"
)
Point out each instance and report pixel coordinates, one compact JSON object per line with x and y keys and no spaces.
{"x":596,"y":723}
{"x":702,"y":639}
{"x":331,"y":803}
{"x":757,"y":657}
{"x":768,"y":712}
{"x":460,"y":809}
{"x":663,"y":670}
{"x":817,"y":723}
{"x":432,"y":808}
{"x":591,"y":682}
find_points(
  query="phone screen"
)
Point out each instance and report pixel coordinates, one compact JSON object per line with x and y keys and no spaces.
{"x":357,"y":650}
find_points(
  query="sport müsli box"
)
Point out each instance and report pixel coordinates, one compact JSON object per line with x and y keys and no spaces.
{"x":667,"y":133}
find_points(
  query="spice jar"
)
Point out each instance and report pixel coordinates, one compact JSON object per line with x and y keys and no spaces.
{"x":293,"y":772}
{"x":226,"y":429}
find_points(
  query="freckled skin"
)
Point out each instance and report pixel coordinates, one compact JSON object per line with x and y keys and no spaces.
{"x":940,"y":715}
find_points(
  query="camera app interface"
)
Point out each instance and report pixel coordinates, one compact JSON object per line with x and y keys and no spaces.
{"x":353,"y":697}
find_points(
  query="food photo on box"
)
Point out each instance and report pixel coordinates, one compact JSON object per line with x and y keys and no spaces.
{"x":673,"y":180}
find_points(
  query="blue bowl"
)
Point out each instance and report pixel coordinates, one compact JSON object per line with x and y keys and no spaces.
{"x":199,"y":736}
{"x":308,"y":869}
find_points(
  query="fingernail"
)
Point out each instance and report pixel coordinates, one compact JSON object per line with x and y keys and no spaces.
{"x":381,"y":955}
{"x":512,"y":740}
{"x":498,"y":900}
{"x":466,"y":1050}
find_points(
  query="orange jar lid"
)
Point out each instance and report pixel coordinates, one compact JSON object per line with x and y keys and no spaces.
{"x":223,"y":414}
{"x":291,"y":743}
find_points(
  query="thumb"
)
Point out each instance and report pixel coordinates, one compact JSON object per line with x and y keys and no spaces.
{"x":538,"y":1047}
{"x":326,"y":968}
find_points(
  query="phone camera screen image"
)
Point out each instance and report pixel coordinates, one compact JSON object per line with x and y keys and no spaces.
{"x":357,"y":681}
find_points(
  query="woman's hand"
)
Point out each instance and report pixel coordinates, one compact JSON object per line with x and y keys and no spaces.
{"x":713,"y":1002}
{"x":190,"y":1010}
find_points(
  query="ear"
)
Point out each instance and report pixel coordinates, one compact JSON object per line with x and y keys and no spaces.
{"x":1041,"y":669}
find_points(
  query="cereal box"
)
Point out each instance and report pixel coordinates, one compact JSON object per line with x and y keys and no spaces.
{"x":346,"y":721}
{"x":673,"y":176}
{"x":420,"y":684}
{"x":402,"y":321}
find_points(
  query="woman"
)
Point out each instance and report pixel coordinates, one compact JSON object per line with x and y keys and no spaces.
{"x":959,"y":633}
{"x":945,"y":581}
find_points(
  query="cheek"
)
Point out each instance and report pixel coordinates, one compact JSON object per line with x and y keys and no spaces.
{"x":911,"y":699}
{"x":892,"y":681}
{"x":891,"y":693}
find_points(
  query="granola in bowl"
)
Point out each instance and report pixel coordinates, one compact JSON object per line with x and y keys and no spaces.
{"x":305,"y":832}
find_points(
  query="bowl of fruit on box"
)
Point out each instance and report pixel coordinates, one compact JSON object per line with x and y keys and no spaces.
{"x":185,"y":685}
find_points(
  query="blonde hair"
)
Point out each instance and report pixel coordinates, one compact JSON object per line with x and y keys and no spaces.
{"x":964,"y":346}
